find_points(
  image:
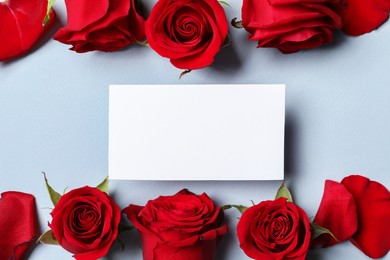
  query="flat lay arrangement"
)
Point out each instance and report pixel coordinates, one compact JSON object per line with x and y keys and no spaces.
{"x":194,"y":129}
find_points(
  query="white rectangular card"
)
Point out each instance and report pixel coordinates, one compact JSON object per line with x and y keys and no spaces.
{"x":196,"y":132}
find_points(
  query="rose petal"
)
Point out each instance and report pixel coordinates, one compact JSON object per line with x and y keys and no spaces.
{"x":21,"y":26}
{"x":363,"y":16}
{"x":290,"y":25}
{"x":82,"y":13}
{"x":109,"y":26}
{"x":18,"y":233}
{"x":373,"y":207}
{"x":337,"y":212}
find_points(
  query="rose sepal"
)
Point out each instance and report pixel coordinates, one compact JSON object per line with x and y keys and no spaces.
{"x":103,"y":186}
{"x":143,"y":43}
{"x":54,"y":195}
{"x":240,"y":208}
{"x":283,"y":192}
{"x":224,"y":3}
{"x":48,"y":238}
{"x":47,"y":18}
{"x":317,"y":231}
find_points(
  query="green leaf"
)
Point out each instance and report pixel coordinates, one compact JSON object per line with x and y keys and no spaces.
{"x":103,"y":186}
{"x":240,"y":208}
{"x":317,"y":231}
{"x":283,"y":192}
{"x":48,"y":238}
{"x":49,"y":7}
{"x":224,"y":3}
{"x":54,"y":196}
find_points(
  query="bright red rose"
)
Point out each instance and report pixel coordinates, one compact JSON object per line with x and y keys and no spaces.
{"x":182,"y":226}
{"x":85,"y":222}
{"x":188,"y":32}
{"x":369,"y":210}
{"x":105,"y":25}
{"x":363,"y":16}
{"x":18,"y":224}
{"x":290,"y":25}
{"x":21,"y":26}
{"x":274,"y":230}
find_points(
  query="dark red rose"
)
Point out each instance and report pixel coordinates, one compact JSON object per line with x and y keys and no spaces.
{"x":18,"y":225}
{"x":182,"y":226}
{"x":21,"y":26}
{"x":85,"y":222}
{"x":290,"y":25}
{"x":105,"y":25}
{"x":372,"y":204}
{"x":188,"y":32}
{"x":363,"y":16}
{"x":274,"y":230}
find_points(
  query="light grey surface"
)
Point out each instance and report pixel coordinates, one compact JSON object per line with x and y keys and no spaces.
{"x":54,"y":118}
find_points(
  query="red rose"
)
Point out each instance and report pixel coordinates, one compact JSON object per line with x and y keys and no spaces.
{"x":363,"y":16}
{"x":182,"y":226}
{"x":18,"y":234}
{"x":371,"y":216}
{"x":290,"y":25}
{"x":274,"y":230}
{"x":21,"y":26}
{"x":188,"y":32}
{"x":105,"y":25}
{"x":85,"y":222}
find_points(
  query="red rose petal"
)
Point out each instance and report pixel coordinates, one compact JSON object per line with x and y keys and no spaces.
{"x":373,"y":206}
{"x":109,"y":26}
{"x":363,"y":16}
{"x":85,"y":12}
{"x":18,"y":224}
{"x":337,"y":212}
{"x":21,"y":26}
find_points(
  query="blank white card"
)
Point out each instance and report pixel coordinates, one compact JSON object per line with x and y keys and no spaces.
{"x":196,"y":132}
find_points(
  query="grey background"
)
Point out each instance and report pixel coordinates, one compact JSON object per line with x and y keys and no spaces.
{"x":54,"y":118}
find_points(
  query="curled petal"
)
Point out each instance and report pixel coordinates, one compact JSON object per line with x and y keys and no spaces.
{"x":18,"y":233}
{"x":363,"y":16}
{"x":21,"y":26}
{"x":337,"y":212}
{"x":373,"y":207}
